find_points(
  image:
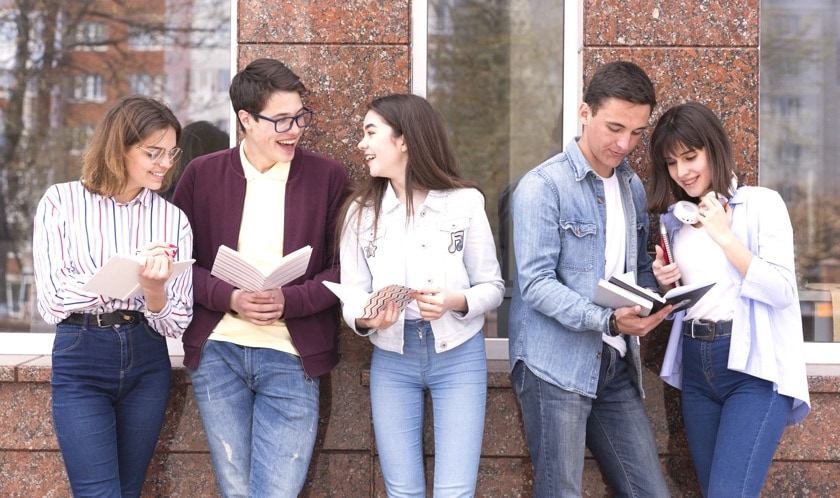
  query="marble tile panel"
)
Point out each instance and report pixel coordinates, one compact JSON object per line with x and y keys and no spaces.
{"x":319,"y":22}
{"x":339,"y":474}
{"x":26,"y":417}
{"x":726,"y":80}
{"x":341,"y":80}
{"x":673,"y":23}
{"x":32,"y":473}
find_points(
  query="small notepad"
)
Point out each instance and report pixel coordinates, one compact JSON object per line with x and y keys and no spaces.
{"x":373,"y":303}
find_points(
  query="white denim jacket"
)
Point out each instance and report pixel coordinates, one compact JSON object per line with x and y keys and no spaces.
{"x":458,"y":253}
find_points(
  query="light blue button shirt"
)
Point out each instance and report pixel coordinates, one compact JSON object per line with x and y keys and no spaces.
{"x":767,"y":340}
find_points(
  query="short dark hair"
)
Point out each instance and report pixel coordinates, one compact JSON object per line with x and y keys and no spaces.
{"x":251,"y":87}
{"x":621,"y":80}
{"x":691,"y":126}
{"x":127,"y":123}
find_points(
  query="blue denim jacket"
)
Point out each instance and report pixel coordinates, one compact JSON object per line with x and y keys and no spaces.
{"x":559,"y":223}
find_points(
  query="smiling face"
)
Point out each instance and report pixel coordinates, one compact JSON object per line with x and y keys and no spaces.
{"x":386,"y":156}
{"x":263,"y":145}
{"x":689,"y":168}
{"x":611,"y":133}
{"x":142,"y":171}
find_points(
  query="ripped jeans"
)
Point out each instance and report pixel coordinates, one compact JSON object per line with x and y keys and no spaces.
{"x":260,"y":414}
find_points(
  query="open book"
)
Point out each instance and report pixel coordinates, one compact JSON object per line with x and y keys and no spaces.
{"x":232,"y":267}
{"x":119,"y":278}
{"x":618,"y":292}
{"x":371,"y":303}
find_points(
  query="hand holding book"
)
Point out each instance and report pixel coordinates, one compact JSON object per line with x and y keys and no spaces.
{"x":622,"y":292}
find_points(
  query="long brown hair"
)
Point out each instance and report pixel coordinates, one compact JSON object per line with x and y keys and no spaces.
{"x":127,"y":123}
{"x":432,"y":164}
{"x":690,"y":126}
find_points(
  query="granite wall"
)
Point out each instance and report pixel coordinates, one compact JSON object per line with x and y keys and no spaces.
{"x":349,"y":51}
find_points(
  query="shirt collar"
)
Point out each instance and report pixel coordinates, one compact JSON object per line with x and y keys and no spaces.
{"x":143,"y":198}
{"x":280,"y":170}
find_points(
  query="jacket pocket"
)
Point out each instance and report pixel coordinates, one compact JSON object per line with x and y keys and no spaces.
{"x":577,"y":245}
{"x":454,"y":232}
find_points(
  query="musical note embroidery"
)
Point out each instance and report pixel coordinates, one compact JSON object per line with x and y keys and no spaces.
{"x":457,"y":243}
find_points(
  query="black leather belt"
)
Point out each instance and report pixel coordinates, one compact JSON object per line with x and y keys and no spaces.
{"x":706,"y":330}
{"x":119,"y":317}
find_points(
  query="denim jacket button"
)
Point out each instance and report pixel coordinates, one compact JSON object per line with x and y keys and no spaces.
{"x":443,"y":345}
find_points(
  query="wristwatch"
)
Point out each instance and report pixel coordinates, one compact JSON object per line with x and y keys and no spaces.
{"x":613,"y":326}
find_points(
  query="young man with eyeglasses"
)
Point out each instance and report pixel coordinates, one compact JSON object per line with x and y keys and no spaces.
{"x":255,"y":358}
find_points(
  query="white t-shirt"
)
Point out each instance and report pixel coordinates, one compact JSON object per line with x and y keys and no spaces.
{"x":701,"y":260}
{"x":616,"y":248}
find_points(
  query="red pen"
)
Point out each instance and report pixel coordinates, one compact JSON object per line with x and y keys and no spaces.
{"x":666,"y":247}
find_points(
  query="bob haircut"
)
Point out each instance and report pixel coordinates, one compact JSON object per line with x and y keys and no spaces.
{"x":690,"y":126}
{"x":128,"y":122}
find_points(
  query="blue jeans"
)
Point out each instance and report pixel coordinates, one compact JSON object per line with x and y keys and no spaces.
{"x":110,"y":386}
{"x":260,"y":414}
{"x":733,"y":421}
{"x":457,"y":382}
{"x":560,"y":424}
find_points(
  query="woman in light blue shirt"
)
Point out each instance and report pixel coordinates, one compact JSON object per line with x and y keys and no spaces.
{"x":417,"y":223}
{"x":737,"y":354}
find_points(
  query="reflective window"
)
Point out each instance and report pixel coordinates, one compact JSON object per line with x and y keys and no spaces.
{"x":495,"y":70}
{"x":54,"y":88}
{"x":799,"y":145}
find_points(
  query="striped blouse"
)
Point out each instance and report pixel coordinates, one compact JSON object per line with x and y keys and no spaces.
{"x":76,"y":232}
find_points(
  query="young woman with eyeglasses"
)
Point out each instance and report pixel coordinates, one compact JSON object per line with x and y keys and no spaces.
{"x":111,"y":370}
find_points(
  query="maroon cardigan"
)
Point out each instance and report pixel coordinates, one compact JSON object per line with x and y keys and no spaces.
{"x":212,"y":193}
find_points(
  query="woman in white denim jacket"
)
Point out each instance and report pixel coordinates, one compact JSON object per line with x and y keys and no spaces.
{"x":737,"y":354}
{"x":416,"y":223}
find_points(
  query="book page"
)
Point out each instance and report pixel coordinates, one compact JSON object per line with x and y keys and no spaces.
{"x":232,"y":267}
{"x":609,"y":295}
{"x":119,"y":277}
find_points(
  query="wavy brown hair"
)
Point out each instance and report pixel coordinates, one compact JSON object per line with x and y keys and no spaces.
{"x":128,"y":122}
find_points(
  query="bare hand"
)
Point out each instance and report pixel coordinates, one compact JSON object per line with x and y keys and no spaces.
{"x":382,"y":320}
{"x":259,"y":308}
{"x":665,"y":275}
{"x":715,"y":217}
{"x":629,"y":322}
{"x":434,"y":302}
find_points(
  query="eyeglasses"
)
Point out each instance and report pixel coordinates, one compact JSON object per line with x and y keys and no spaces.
{"x":282,"y":125}
{"x":157,"y":153}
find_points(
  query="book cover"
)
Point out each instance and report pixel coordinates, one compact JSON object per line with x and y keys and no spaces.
{"x":619,"y":292}
{"x":371,"y":304}
{"x":232,"y":267}
{"x":118,"y":278}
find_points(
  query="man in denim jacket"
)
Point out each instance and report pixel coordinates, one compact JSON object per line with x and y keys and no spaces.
{"x":579,"y":217}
